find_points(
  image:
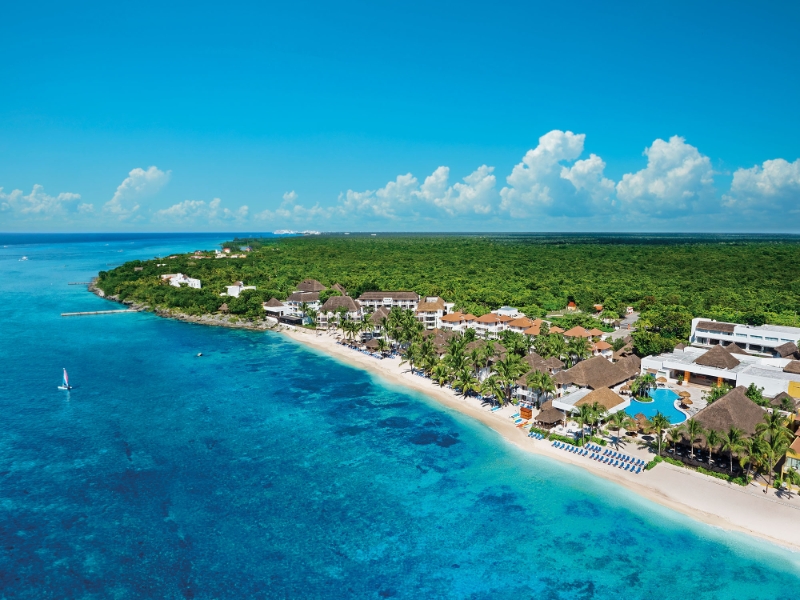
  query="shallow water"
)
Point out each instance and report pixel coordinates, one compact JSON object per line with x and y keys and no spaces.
{"x":266,"y":470}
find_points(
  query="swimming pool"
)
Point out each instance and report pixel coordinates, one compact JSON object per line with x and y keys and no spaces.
{"x":663,"y":402}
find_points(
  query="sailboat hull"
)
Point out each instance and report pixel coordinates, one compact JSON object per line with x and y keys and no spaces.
{"x":65,"y":387}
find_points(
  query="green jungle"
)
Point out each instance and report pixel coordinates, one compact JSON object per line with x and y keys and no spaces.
{"x":669,"y":279}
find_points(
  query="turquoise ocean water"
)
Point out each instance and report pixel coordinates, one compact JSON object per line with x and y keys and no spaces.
{"x":265,"y":470}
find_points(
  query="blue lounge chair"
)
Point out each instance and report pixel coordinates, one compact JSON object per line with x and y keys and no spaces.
{"x":627,"y":467}
{"x":638,"y":470}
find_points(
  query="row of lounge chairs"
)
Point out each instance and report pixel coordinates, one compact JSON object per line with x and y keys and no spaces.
{"x":608,"y":457}
{"x":535,"y":435}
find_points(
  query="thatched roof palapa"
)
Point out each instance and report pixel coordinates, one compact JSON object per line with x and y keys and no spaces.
{"x":603,"y":396}
{"x":792,"y":367}
{"x":274,"y":303}
{"x":717,"y":358}
{"x":786,"y":350}
{"x":379,"y":314}
{"x":734,"y":409}
{"x":334,"y":303}
{"x":597,"y":373}
{"x":310,"y":285}
{"x":735,"y":348}
{"x":549,"y":416}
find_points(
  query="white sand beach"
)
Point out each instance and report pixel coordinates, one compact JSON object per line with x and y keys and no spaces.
{"x":712,"y":501}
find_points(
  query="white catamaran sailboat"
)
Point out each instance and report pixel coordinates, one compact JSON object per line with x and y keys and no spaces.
{"x":65,"y":385}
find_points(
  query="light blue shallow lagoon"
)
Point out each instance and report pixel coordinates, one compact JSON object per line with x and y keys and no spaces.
{"x":265,"y":470}
{"x":663,"y":402}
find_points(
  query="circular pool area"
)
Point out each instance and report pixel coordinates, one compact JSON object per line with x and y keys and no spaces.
{"x":663,"y":402}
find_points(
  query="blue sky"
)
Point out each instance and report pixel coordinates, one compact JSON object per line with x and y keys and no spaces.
{"x":400,"y":116}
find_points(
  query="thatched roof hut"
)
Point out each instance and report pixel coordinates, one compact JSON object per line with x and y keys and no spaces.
{"x":603,"y":396}
{"x":786,"y":350}
{"x":334,"y":303}
{"x":735,"y":349}
{"x":379,"y":314}
{"x":792,"y":367}
{"x":717,"y":358}
{"x":596,"y":373}
{"x":310,"y":285}
{"x":734,"y":409}
{"x":372,"y":344}
{"x":549,"y":416}
{"x":224,"y":307}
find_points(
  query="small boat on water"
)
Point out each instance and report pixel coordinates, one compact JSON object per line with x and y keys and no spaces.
{"x":23,"y":258}
{"x":65,"y":384}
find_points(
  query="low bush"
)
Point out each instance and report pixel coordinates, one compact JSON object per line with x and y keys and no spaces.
{"x":653,"y":463}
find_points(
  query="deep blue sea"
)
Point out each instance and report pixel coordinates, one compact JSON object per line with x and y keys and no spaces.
{"x":266,"y":470}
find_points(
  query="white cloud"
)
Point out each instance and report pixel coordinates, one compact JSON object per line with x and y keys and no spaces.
{"x":678,"y":178}
{"x":390,"y":201}
{"x":290,"y":211}
{"x":543,"y":183}
{"x":773,"y":185}
{"x":138,"y":184}
{"x":40,"y":204}
{"x":475,"y":195}
{"x":194,"y":211}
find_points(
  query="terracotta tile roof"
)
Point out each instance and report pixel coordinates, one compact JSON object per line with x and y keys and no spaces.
{"x":556,"y":329}
{"x":489,"y":318}
{"x":594,"y":332}
{"x":577,"y":332}
{"x":523,"y":322}
{"x":505,"y":318}
{"x":454,"y":317}
{"x":533,"y":330}
{"x":601,"y":345}
{"x":469,"y":317}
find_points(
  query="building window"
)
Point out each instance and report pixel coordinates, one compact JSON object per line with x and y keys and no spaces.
{"x":769,"y":339}
{"x":756,"y":337}
{"x":744,"y":335}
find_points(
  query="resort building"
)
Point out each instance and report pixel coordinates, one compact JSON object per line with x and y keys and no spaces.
{"x":458,"y":321}
{"x":376,"y":319}
{"x":179,"y":279}
{"x":430,"y":311}
{"x":595,"y":373}
{"x":400,"y":299}
{"x":763,"y":339}
{"x":237,"y":288}
{"x":734,"y":409}
{"x":329,"y":312}
{"x":792,"y":460}
{"x":604,"y":349}
{"x":490,"y":324}
{"x":508,"y":311}
{"x":729,"y":365}
{"x":522,"y":324}
{"x":296,"y":300}
{"x":275,"y":308}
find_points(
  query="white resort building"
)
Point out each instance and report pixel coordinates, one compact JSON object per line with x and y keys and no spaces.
{"x":179,"y":279}
{"x":430,"y":311}
{"x":729,"y":365}
{"x":328,"y":312}
{"x":764,"y":339}
{"x":296,"y":300}
{"x":237,"y":288}
{"x":401,"y":299}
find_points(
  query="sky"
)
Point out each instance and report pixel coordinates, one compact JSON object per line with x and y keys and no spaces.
{"x":400,"y":116}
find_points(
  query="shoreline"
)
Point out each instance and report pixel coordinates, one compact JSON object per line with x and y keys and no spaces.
{"x":704,"y":499}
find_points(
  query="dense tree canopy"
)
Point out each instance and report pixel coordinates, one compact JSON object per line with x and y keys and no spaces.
{"x":670,"y":280}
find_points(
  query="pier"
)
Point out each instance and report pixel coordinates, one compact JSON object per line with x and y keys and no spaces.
{"x":98,"y":312}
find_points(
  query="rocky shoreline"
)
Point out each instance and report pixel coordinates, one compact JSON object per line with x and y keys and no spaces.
{"x":216,"y":320}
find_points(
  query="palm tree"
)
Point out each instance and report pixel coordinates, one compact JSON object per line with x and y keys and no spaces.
{"x":585,"y":415}
{"x":440,"y":373}
{"x":619,"y":420}
{"x":491,"y":387}
{"x":541,"y":383}
{"x":598,"y":414}
{"x":467,"y":383}
{"x":713,"y":438}
{"x":577,"y":350}
{"x":383,"y":345}
{"x":411,"y":355}
{"x":774,"y":426}
{"x":771,"y":451}
{"x":642,"y":385}
{"x":693,"y":430}
{"x":675,"y":435}
{"x":660,"y":424}
{"x":732,"y":442}
{"x":509,"y":370}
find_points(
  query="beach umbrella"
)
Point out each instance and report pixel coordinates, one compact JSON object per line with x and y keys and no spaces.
{"x":661,"y":380}
{"x":685,"y":394}
{"x":687,"y":402}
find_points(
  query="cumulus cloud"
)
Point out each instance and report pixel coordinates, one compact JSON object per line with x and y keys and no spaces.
{"x":290,"y":211}
{"x":139,"y":183}
{"x":39,"y":204}
{"x":543,"y":183}
{"x":677,"y":179}
{"x":197,"y":211}
{"x":773,"y":185}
